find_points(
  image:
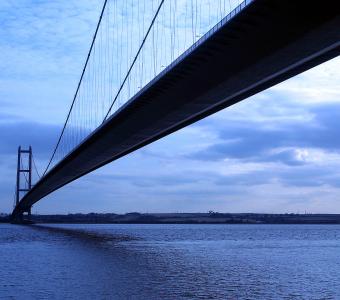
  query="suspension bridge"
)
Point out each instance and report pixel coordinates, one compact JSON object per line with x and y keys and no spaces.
{"x":156,"y":66}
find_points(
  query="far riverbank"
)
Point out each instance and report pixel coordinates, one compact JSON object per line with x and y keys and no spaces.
{"x":185,"y":218}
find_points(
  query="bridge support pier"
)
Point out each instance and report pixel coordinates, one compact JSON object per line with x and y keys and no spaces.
{"x":22,"y":218}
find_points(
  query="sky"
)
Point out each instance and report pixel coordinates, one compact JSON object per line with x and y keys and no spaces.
{"x":275,"y":152}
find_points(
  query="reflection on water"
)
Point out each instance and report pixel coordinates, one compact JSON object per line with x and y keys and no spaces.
{"x":170,"y":262}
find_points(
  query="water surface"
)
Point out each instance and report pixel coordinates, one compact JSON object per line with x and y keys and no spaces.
{"x":170,"y":262}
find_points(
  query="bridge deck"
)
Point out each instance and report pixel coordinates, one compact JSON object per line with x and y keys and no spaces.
{"x":265,"y":43}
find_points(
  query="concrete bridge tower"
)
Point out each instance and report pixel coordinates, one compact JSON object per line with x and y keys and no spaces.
{"x":24,"y":175}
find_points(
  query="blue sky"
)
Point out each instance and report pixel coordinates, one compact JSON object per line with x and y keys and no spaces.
{"x":277,"y":151}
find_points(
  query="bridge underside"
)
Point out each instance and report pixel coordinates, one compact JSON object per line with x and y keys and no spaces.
{"x":266,"y":43}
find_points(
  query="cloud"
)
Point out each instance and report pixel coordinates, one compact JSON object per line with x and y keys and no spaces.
{"x":41,"y":137}
{"x":257,"y":141}
{"x":43,"y":45}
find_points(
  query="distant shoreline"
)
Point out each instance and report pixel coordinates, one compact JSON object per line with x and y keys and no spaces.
{"x":185,"y":218}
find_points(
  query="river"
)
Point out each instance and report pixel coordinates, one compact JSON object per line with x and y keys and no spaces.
{"x":170,"y":262}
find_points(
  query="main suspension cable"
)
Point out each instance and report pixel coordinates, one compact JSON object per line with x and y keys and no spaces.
{"x":35,"y":167}
{"x":134,"y":60}
{"x":79,"y":83}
